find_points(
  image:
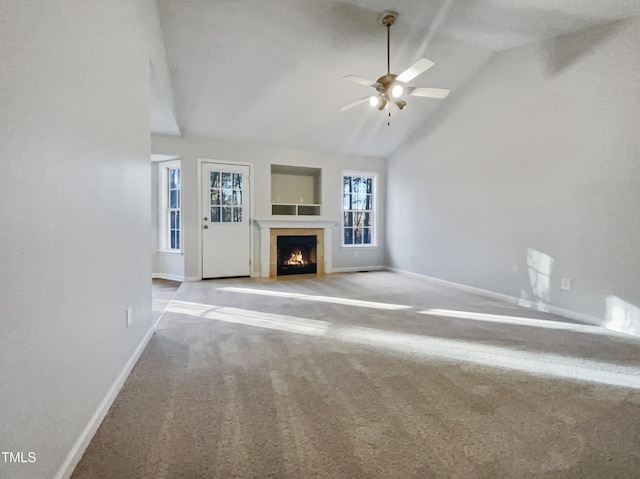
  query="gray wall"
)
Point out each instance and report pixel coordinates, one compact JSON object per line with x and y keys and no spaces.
{"x":189,"y":149}
{"x":541,"y":151}
{"x":74,"y":209}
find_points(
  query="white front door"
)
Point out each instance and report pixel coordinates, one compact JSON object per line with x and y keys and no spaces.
{"x":225,"y":220}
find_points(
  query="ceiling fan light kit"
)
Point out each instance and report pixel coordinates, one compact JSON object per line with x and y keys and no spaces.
{"x":391,"y":87}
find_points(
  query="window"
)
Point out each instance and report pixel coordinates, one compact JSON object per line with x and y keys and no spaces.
{"x":358,"y":209}
{"x":170,"y":204}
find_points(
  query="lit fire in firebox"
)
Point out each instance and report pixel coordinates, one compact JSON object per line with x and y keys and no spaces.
{"x":296,"y":258}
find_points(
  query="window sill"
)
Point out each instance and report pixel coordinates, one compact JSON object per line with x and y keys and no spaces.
{"x":364,"y":246}
{"x":171,"y":251}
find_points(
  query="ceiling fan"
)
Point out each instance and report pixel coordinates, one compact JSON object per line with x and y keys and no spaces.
{"x":391,"y":87}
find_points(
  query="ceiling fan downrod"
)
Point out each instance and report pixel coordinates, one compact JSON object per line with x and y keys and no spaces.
{"x":388,"y":49}
{"x":388,"y":19}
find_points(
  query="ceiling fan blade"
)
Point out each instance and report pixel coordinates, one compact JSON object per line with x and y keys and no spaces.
{"x":355,"y":103}
{"x":429,"y":92}
{"x":361,"y":81}
{"x":414,"y":70}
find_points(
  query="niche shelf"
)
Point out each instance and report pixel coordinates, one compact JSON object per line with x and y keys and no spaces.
{"x":295,"y":190}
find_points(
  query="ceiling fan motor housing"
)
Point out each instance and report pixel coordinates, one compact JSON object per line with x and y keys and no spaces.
{"x":385,"y":82}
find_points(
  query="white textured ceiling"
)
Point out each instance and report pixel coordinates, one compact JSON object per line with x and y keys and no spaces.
{"x":271,"y":72}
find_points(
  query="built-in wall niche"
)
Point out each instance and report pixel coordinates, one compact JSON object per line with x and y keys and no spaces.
{"x":295,"y":190}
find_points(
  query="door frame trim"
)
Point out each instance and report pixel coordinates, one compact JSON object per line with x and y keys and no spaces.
{"x":200,"y":162}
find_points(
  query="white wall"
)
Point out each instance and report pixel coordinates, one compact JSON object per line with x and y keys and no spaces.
{"x":74,"y":210}
{"x":189,"y":149}
{"x":540,"y":151}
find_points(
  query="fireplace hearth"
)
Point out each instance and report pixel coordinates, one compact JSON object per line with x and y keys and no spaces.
{"x":296,"y":255}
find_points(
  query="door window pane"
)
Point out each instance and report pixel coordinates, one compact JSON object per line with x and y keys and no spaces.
{"x":215,"y":215}
{"x":226,"y":214}
{"x":226,"y":197}
{"x":226,"y":180}
{"x":215,"y":179}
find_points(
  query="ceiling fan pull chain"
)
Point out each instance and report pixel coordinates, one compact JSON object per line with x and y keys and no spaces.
{"x":389,"y":119}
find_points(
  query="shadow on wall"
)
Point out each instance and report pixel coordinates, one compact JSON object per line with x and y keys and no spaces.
{"x":565,"y":50}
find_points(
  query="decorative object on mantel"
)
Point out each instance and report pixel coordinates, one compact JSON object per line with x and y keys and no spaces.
{"x":391,"y":87}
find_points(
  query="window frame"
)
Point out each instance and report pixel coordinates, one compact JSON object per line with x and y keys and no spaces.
{"x":164,"y":223}
{"x":373,"y":211}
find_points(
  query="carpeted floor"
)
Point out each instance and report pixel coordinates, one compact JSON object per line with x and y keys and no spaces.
{"x":369,"y":376}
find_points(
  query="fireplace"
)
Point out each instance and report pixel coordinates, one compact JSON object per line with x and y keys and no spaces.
{"x":270,"y":230}
{"x":296,"y":254}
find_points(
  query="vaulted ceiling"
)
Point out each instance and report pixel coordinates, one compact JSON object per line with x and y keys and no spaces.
{"x":271,"y":72}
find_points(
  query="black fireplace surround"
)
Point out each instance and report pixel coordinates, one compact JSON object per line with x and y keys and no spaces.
{"x":296,"y":254}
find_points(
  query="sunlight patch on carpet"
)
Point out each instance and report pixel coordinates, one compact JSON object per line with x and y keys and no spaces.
{"x":522,"y":321}
{"x":422,"y":346}
{"x":321,"y":299}
{"x":247,"y":317}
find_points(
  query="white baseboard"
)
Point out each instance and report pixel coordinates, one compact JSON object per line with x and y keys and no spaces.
{"x":92,"y":426}
{"x":565,"y":313}
{"x":191,"y":279}
{"x":355,"y":269}
{"x":171,"y":277}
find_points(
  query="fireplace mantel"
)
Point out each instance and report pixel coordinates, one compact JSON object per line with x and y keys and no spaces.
{"x":267,"y":224}
{"x":294,"y":223}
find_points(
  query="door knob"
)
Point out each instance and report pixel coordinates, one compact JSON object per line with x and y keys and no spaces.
{"x":205,"y":218}
{"x":206,"y":226}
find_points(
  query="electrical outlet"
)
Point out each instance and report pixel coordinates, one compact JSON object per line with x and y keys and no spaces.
{"x":411,"y":257}
{"x":565,"y":284}
{"x":355,"y":254}
{"x":129,"y":316}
